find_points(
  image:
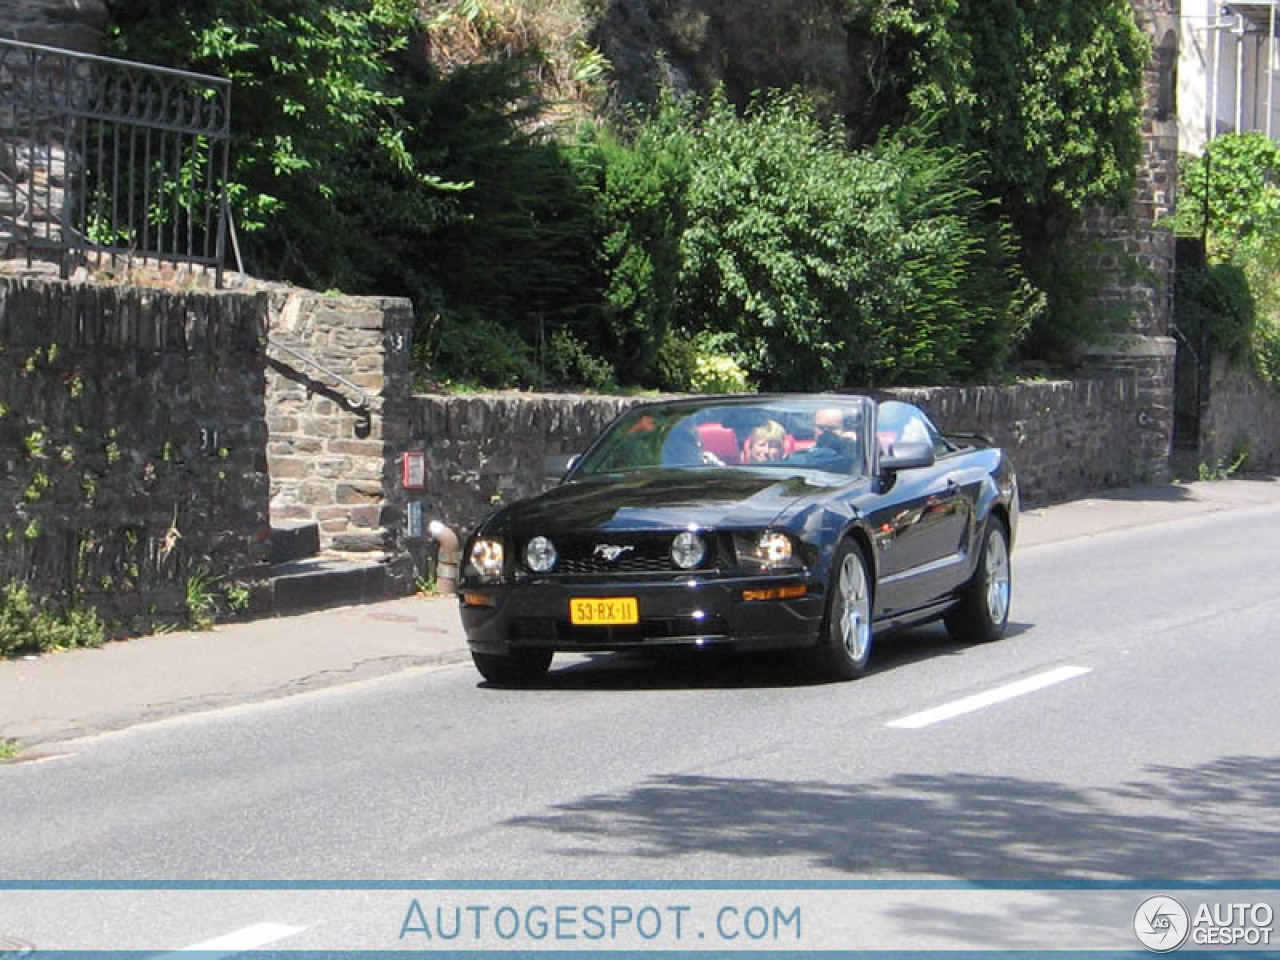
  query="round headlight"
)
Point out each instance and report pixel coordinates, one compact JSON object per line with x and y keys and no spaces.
{"x":688,"y":550}
{"x":774,"y":548}
{"x":540,"y":555}
{"x":486,"y":558}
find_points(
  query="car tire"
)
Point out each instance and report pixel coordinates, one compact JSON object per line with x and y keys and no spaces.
{"x":983,"y":610}
{"x":847,"y":630}
{"x":513,"y":669}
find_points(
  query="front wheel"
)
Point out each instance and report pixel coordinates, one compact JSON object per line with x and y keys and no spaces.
{"x":513,"y":669}
{"x":983,"y":611}
{"x":847,"y":633}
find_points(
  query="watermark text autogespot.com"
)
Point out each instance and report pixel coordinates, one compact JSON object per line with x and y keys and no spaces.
{"x":480,"y":925}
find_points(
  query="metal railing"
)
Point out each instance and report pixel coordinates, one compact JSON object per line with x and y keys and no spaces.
{"x":359,"y":403}
{"x":112,"y":157}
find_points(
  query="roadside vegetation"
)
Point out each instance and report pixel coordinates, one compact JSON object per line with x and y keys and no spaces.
{"x":31,"y":625}
{"x":1229,"y":200}
{"x":467,"y":154}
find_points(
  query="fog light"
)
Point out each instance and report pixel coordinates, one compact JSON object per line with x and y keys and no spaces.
{"x":540,"y":555}
{"x":688,"y":550}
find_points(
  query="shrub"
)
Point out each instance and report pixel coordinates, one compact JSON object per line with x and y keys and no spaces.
{"x":832,"y":268}
{"x":28,"y":625}
{"x":1230,"y":198}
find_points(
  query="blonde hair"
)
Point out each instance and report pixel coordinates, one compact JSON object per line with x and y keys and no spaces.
{"x":770,"y":432}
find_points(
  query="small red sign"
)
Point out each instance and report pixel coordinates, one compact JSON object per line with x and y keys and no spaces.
{"x":414,"y":470}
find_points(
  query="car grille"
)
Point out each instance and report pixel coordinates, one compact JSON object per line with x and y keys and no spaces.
{"x":648,"y":553}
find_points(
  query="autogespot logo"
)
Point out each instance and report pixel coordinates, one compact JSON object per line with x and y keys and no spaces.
{"x":1161,"y":924}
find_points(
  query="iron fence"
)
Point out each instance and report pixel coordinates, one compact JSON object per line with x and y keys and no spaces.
{"x":112,"y":157}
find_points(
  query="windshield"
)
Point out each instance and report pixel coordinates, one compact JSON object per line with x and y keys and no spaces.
{"x":814,"y":433}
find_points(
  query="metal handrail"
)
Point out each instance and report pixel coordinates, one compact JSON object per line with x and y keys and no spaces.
{"x":361,"y":404}
{"x":121,"y":158}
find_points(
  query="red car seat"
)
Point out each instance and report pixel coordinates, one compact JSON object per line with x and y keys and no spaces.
{"x":720,"y":440}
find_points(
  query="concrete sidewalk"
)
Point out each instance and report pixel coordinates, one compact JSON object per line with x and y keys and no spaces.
{"x":61,"y":696}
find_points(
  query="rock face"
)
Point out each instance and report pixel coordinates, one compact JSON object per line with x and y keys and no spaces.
{"x":746,"y":44}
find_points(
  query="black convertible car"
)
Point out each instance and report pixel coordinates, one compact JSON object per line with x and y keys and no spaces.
{"x":762,"y":522}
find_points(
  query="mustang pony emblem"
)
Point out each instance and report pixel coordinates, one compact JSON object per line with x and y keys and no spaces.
{"x":610,"y":553}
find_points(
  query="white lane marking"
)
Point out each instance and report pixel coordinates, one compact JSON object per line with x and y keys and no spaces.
{"x":979,"y":700}
{"x":240,"y":941}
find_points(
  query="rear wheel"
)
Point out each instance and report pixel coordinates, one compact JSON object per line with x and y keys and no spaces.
{"x":983,"y":611}
{"x":513,"y":669}
{"x":847,"y":633}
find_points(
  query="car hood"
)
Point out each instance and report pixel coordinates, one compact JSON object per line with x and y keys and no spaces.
{"x":663,"y":499}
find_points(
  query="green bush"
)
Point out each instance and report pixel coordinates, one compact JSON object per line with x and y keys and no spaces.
{"x":474,"y":350}
{"x":28,"y":625}
{"x":1047,"y":92}
{"x":830,"y":268}
{"x":1213,"y":307}
{"x":637,"y":187}
{"x":1230,"y":198}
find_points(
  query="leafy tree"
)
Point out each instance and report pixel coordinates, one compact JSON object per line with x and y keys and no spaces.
{"x":1047,"y":92}
{"x":318,"y":128}
{"x":1229,"y":197}
{"x":818,"y":267}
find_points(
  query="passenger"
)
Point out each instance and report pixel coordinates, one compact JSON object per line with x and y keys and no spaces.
{"x":835,"y":447}
{"x":765,"y":444}
{"x":683,"y":448}
{"x":829,"y":429}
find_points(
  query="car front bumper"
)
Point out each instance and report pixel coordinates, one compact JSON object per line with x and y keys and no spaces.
{"x":685,"y":612}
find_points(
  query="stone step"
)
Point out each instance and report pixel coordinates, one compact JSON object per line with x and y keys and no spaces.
{"x":323,"y":581}
{"x":294,"y":540}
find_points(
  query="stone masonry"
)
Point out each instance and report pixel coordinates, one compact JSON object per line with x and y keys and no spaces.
{"x":1141,"y":278}
{"x":335,"y":446}
{"x":132,"y":444}
{"x":1242,"y":416}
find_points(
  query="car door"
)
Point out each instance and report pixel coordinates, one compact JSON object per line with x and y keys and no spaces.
{"x":922,"y":528}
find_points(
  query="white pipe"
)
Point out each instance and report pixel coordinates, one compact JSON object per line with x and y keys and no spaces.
{"x":1239,"y":80}
{"x":1213,"y":99}
{"x":1271,"y":63}
{"x":447,"y":556}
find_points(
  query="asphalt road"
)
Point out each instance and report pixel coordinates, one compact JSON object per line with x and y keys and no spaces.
{"x":1126,"y":728}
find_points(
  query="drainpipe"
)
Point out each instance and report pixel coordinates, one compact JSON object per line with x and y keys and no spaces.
{"x":447,"y":557}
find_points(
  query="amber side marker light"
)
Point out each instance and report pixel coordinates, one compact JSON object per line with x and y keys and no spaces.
{"x":477,"y":600}
{"x":776,"y":593}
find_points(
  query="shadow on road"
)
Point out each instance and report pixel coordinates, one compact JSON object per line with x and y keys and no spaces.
{"x":1220,"y":819}
{"x":710,"y":668}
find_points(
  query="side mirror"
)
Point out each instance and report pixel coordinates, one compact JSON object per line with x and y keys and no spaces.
{"x":556,"y":465}
{"x":908,"y":455}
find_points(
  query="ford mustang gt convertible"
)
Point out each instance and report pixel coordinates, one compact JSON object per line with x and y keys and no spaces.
{"x":806,"y":522}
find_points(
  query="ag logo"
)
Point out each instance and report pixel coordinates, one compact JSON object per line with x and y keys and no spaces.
{"x":1161,"y":924}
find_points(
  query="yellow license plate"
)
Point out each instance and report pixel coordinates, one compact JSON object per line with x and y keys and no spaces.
{"x":603,"y":611}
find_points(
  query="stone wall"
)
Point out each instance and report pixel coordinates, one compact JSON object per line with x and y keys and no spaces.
{"x":1138,"y":257}
{"x":334,"y":447}
{"x":1067,"y":438}
{"x":1242,"y":413}
{"x":132,"y":441}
